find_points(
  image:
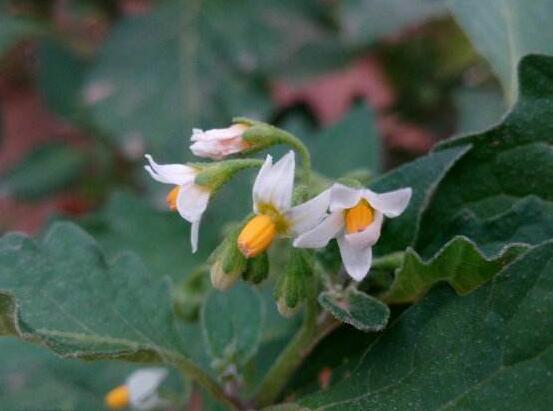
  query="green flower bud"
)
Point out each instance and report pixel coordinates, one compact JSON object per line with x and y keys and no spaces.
{"x":214,"y":175}
{"x":257,"y":269}
{"x":292,"y":287}
{"x":228,"y":263}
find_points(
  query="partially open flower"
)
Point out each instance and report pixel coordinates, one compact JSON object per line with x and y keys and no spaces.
{"x":188,"y":198}
{"x":272,"y":203}
{"x":219,"y":142}
{"x":139,"y":392}
{"x":355,"y":220}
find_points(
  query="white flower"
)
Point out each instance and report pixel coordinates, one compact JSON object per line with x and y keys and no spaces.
{"x":188,"y":198}
{"x":355,"y":220}
{"x":272,"y":204}
{"x":219,"y":142}
{"x":140,"y":391}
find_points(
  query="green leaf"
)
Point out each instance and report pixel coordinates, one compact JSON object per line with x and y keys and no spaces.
{"x":459,"y":263}
{"x":365,"y":21}
{"x":505,"y":179}
{"x":232,"y":322}
{"x":160,"y":238}
{"x":423,"y":176}
{"x":505,"y":30}
{"x":33,"y":379}
{"x":352,"y":143}
{"x":61,"y":292}
{"x":46,"y":169}
{"x":492,"y":349}
{"x":356,"y":308}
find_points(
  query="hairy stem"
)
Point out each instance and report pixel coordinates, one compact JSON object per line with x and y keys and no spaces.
{"x":389,"y":261}
{"x":292,"y":356}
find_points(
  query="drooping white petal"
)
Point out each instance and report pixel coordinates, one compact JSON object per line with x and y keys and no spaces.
{"x":305,"y":216}
{"x":370,"y":235}
{"x":392,"y":203}
{"x":195,"y":234}
{"x":357,"y":260}
{"x":143,"y":385}
{"x":274,"y":183}
{"x":177,"y":174}
{"x":320,"y":235}
{"x":192,"y":201}
{"x":342,"y":197}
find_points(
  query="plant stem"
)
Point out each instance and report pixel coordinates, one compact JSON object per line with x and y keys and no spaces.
{"x":292,"y":356}
{"x":196,"y":374}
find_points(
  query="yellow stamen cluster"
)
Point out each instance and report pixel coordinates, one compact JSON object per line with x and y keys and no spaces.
{"x":172,"y":198}
{"x":358,"y":218}
{"x":118,"y":398}
{"x":257,"y":235}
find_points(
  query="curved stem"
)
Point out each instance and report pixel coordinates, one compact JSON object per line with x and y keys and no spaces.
{"x":389,"y":261}
{"x":292,"y":356}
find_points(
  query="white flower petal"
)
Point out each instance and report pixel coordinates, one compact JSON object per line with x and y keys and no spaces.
{"x":218,"y":143}
{"x":342,"y":197}
{"x":305,"y":216}
{"x":392,"y":203}
{"x":177,"y":174}
{"x":357,"y":261}
{"x":321,"y":234}
{"x":192,"y":201}
{"x":234,"y":131}
{"x":194,"y":234}
{"x":143,"y":384}
{"x":274,"y":183}
{"x":370,"y":235}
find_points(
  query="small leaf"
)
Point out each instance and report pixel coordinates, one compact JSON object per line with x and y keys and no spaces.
{"x":356,"y":308}
{"x":459,"y":263}
{"x":232,"y":322}
{"x":46,"y":169}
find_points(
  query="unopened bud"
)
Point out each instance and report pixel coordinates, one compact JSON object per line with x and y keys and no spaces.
{"x":292,"y":286}
{"x":228,"y":263}
{"x":257,"y":269}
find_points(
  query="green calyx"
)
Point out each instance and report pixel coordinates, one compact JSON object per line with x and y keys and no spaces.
{"x":257,"y":269}
{"x":292,"y":286}
{"x":228,"y":263}
{"x":214,"y":175}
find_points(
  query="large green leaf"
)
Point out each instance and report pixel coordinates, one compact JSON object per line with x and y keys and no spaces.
{"x":33,"y":379}
{"x":48,"y":168}
{"x":505,"y":180}
{"x":232,"y":322}
{"x":459,"y":263}
{"x":492,"y":349}
{"x":423,"y":176}
{"x":60,"y":291}
{"x":504,"y":31}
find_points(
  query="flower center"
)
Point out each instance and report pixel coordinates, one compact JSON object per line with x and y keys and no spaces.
{"x":118,"y":398}
{"x":359,"y":217}
{"x":257,"y":235}
{"x":172,"y":198}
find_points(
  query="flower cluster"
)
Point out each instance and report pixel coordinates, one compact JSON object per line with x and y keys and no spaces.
{"x":353,"y":216}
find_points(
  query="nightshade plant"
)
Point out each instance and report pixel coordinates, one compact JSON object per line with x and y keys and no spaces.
{"x":468,"y":213}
